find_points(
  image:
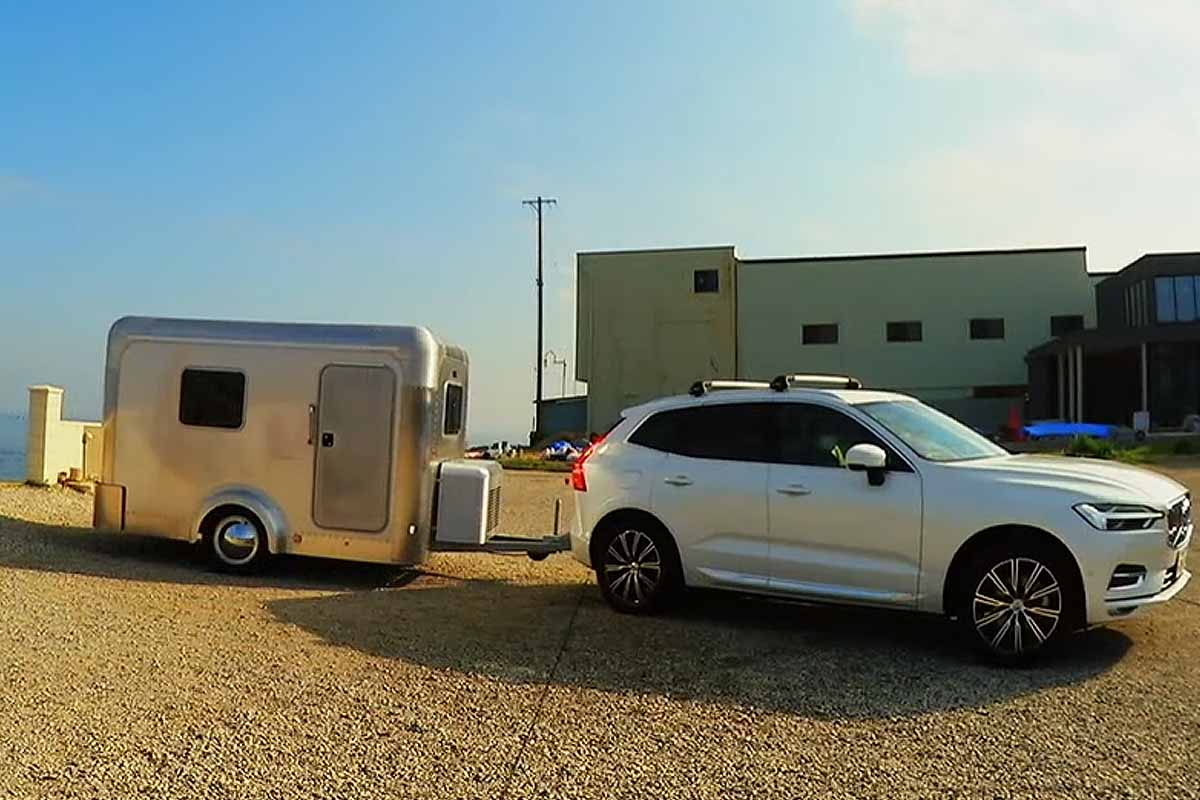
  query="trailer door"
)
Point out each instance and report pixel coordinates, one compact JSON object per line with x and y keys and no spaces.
{"x":352,"y":485}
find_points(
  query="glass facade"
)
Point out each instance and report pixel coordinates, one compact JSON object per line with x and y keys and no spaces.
{"x":1175,"y":298}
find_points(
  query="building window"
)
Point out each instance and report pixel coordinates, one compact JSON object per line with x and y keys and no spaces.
{"x":987,"y":328}
{"x":212,"y":398}
{"x":904,"y":331}
{"x":453,"y":417}
{"x":1164,"y":299}
{"x":1185,"y":298}
{"x":706,"y":281}
{"x":826,"y":333}
{"x":1063,"y":324}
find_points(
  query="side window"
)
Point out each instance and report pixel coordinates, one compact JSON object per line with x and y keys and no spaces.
{"x":211,"y":398}
{"x":658,"y":432}
{"x":816,"y":436}
{"x":727,"y":431}
{"x":452,"y":419}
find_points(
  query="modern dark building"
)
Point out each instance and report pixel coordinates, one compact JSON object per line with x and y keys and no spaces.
{"x":1143,"y":354}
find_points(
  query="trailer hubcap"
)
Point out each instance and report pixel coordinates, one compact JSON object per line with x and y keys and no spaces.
{"x":236,"y":540}
{"x":633,"y":567}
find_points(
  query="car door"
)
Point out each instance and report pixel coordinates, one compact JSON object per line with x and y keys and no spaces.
{"x":711,"y":489}
{"x":831,"y":533}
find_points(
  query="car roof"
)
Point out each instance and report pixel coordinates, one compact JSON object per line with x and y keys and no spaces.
{"x":825,"y":396}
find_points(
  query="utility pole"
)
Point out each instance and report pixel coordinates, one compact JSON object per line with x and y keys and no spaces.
{"x":537,"y":205}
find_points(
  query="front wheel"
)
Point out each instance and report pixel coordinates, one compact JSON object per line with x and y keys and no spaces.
{"x":637,"y":568}
{"x":1017,"y":601}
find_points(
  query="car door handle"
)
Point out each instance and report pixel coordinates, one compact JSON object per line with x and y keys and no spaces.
{"x":679,"y":480}
{"x":794,"y":490}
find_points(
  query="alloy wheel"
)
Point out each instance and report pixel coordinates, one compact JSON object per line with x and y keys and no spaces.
{"x":1017,"y":606}
{"x":633,"y":567}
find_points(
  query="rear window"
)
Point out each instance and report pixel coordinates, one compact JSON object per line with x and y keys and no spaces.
{"x":210,"y":398}
{"x":728,"y":432}
{"x":453,"y":418}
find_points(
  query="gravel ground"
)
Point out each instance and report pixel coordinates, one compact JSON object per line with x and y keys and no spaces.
{"x":127,"y":669}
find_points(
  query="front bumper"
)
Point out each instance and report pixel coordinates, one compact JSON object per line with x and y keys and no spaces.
{"x":1161,"y":575}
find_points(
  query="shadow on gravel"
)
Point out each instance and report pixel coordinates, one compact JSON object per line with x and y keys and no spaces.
{"x":83,"y":551}
{"x":815,"y":661}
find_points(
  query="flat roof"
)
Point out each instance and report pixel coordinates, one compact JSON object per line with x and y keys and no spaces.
{"x":1101,"y":339}
{"x":655,"y":250}
{"x":918,"y":254}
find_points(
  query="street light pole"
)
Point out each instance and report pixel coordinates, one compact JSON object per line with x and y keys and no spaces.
{"x":552,"y":358}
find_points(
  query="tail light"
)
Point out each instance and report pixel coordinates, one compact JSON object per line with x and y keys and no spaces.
{"x":578,"y":479}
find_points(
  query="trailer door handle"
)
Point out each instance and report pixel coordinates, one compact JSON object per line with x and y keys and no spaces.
{"x":327,"y":439}
{"x":679,"y":480}
{"x":312,"y":423}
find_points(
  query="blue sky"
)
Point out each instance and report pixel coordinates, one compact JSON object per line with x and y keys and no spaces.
{"x":365,"y":162}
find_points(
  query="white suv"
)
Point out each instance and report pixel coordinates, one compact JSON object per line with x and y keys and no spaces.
{"x":873,"y":498}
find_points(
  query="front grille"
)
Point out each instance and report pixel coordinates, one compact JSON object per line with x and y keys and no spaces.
{"x":493,"y":510}
{"x":1179,"y":521}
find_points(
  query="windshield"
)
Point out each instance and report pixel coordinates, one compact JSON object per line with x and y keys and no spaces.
{"x":929,"y":432}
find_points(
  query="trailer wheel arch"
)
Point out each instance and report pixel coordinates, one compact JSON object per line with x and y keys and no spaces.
{"x":268,"y":513}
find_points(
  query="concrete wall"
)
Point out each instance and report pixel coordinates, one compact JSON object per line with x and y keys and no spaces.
{"x":943,"y":291}
{"x":55,"y":445}
{"x":643,"y":332}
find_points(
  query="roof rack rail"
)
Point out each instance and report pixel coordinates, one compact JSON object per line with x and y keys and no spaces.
{"x":700,"y":388}
{"x":781,"y":383}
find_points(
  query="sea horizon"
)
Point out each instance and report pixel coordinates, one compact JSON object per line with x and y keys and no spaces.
{"x":12,"y":447}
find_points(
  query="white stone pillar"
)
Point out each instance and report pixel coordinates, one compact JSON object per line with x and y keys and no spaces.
{"x":1145,"y":378}
{"x":1071,"y":385}
{"x":1079,"y":393}
{"x":1062,"y":387}
{"x":45,"y":412}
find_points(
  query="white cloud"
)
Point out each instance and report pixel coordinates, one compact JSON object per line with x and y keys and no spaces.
{"x":1098,"y":147}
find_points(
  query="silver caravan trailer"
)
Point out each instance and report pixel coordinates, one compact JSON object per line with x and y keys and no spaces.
{"x":343,"y":441}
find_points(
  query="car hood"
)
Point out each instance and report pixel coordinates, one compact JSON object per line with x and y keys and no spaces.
{"x":1091,"y":478}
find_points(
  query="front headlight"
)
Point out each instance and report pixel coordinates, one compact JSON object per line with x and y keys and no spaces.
{"x":1118,"y":517}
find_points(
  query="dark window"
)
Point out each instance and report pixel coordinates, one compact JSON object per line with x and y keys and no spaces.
{"x":1164,"y":299}
{"x":706,"y":281}
{"x":820,"y":334}
{"x":1065,"y":323}
{"x":730,"y":432}
{"x":453,"y":418}
{"x":212,"y":398}
{"x":995,"y":392}
{"x":816,"y":436}
{"x":904,"y":331}
{"x":987,"y":328}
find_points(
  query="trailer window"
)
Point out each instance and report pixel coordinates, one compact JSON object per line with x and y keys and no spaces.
{"x":453,"y":418}
{"x":212,"y":398}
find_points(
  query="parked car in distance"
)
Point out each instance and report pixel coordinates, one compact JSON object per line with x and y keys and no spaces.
{"x":802,"y":489}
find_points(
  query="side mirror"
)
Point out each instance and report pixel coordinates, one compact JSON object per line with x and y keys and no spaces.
{"x":870,"y":459}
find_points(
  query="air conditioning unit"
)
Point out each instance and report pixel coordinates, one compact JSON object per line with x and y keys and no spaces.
{"x":468,"y":501}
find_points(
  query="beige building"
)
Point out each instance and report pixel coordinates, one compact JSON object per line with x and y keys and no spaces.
{"x":952,"y":328}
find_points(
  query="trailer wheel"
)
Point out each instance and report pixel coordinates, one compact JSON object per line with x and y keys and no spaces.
{"x":234,"y":540}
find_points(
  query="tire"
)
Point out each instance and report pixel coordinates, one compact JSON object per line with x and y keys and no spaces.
{"x":637,"y":565}
{"x":1018,"y":599}
{"x":222,"y":550}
